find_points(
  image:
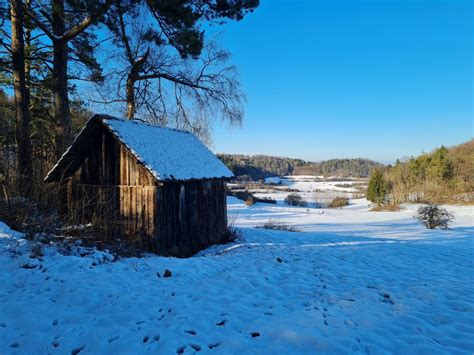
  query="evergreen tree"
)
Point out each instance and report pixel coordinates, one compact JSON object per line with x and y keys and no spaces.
{"x":440,"y":168}
{"x":67,"y":24}
{"x":377,"y":189}
{"x":22,"y":96}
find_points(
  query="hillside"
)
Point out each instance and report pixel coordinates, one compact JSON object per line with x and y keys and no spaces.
{"x":257,"y":167}
{"x":339,"y":167}
{"x":442,"y":176}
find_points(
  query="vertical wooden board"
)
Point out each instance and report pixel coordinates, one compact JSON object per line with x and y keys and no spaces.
{"x":162,"y":229}
{"x":133,"y":172}
{"x":140,"y":208}
{"x":121,"y":167}
{"x":174,"y":200}
{"x":103,"y":160}
{"x":126,"y":207}
{"x":133,"y":210}
{"x":151,"y":208}
{"x":124,"y":166}
{"x":158,"y":233}
{"x":146,"y":206}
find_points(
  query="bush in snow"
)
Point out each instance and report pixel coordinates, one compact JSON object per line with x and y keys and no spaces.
{"x":294,"y":199}
{"x":433,"y":216}
{"x":278,"y":226}
{"x":250,"y":201}
{"x":339,"y":202}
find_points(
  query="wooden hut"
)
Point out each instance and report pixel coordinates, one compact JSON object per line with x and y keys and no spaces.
{"x":159,"y":188}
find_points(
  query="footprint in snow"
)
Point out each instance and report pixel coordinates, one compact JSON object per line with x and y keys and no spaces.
{"x":192,"y":332}
{"x":222,"y":322}
{"x":213,"y":345}
{"x":386,"y":298}
{"x":112,"y":339}
{"x":196,"y":347}
{"x":77,"y":350}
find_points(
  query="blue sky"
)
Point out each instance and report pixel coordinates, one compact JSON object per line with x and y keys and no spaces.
{"x":325,"y":79}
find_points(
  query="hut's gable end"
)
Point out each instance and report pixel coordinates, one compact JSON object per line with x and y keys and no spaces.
{"x":113,"y":190}
{"x":132,"y":172}
{"x":109,"y":163}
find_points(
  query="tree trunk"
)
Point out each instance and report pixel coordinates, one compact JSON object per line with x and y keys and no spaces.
{"x":130,"y":95}
{"x":62,"y":112}
{"x":22,"y":99}
{"x":133,"y":77}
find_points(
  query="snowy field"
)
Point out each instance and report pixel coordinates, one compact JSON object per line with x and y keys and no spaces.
{"x":313,"y":189}
{"x":351,"y":281}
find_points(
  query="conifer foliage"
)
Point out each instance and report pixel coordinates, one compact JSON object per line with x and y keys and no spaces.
{"x":50,"y":48}
{"x":377,"y":189}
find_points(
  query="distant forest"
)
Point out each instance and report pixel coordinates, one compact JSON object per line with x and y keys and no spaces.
{"x":258,"y":167}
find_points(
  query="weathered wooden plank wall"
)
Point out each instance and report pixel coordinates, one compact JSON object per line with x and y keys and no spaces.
{"x":190,"y":216}
{"x":119,"y":195}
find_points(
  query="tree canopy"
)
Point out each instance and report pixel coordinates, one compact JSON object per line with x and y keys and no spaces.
{"x":150,"y":57}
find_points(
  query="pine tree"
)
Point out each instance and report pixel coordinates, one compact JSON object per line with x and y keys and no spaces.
{"x":440,"y":168}
{"x":22,"y":96}
{"x":66,"y":24}
{"x":377,"y":189}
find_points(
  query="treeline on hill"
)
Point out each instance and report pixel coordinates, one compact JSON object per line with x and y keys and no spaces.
{"x":339,"y":167}
{"x":258,"y":167}
{"x":442,"y":176}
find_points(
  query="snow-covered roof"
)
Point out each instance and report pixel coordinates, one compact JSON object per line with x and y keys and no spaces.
{"x":168,"y":154}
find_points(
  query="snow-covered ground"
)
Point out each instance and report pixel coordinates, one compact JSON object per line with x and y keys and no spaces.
{"x":352,"y":281}
{"x":318,"y":183}
{"x":313,"y":189}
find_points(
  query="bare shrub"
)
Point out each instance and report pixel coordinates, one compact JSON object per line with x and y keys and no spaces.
{"x":387,"y":207}
{"x":432,"y":216}
{"x":303,"y":203}
{"x":250,"y":201}
{"x":36,"y":251}
{"x":231,"y":234}
{"x":339,"y":202}
{"x":241,"y":194}
{"x":277,"y":225}
{"x":295,"y":199}
{"x":249,"y":198}
{"x":266,"y":200}
{"x":37,"y":213}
